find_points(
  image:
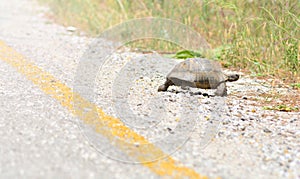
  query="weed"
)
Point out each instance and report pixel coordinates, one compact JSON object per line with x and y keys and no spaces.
{"x":284,"y":108}
{"x":259,"y":36}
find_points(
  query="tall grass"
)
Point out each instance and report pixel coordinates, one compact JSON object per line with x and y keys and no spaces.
{"x":259,"y":36}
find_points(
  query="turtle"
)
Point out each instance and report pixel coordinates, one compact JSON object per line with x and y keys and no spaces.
{"x":199,"y":73}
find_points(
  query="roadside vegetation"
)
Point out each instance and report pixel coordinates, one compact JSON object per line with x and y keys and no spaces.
{"x":260,"y":37}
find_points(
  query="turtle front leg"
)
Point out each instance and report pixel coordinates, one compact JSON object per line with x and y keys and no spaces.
{"x":165,"y":86}
{"x":221,"y":90}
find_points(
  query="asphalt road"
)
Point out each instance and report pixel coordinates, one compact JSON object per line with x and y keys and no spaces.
{"x":39,"y":138}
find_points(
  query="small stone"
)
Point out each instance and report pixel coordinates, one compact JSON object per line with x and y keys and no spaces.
{"x":170,"y":130}
{"x":71,"y":29}
{"x":172,"y":100}
{"x":207,"y":102}
{"x":244,"y":97}
{"x":251,"y":118}
{"x":266,"y":130}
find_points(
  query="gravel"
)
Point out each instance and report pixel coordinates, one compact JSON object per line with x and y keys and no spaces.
{"x":250,"y":142}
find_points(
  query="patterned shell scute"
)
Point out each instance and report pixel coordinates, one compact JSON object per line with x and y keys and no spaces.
{"x":197,"y":72}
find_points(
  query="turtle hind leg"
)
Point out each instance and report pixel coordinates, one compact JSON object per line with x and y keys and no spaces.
{"x":221,"y":90}
{"x":165,"y":86}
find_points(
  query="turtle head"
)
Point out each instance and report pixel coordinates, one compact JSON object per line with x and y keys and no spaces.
{"x":233,"y":77}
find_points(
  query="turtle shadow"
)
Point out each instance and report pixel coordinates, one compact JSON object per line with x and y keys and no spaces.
{"x":198,"y":93}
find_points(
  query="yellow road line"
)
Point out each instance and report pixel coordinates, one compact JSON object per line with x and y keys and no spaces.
{"x":108,"y":126}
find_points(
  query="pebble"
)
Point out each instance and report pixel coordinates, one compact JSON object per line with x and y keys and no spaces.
{"x":71,"y":29}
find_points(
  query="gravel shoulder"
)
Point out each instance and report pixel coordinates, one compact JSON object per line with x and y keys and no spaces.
{"x":250,"y":142}
{"x":41,"y":139}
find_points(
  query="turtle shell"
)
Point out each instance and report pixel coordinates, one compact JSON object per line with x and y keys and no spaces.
{"x":197,"y":72}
